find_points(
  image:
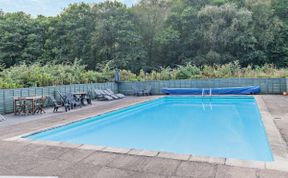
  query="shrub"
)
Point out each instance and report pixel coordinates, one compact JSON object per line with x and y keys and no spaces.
{"x":48,"y":75}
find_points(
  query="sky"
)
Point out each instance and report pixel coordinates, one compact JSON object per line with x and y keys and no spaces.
{"x":45,"y":7}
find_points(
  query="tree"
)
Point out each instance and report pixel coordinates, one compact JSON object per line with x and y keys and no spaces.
{"x":150,"y":35}
{"x":14,"y":30}
{"x":151,"y":15}
{"x":115,"y":39}
{"x":222,"y":28}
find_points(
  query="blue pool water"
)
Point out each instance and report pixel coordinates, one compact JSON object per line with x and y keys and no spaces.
{"x":228,"y":127}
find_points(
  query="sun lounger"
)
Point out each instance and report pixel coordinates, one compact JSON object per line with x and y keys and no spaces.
{"x":61,"y":96}
{"x":117,"y":94}
{"x":102,"y":96}
{"x":105,"y":92}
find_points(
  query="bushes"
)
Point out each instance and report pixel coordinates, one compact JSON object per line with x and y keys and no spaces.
{"x":51,"y":74}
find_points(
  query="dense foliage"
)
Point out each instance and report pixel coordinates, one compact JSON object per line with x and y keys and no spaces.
{"x":49,"y":75}
{"x":151,"y":35}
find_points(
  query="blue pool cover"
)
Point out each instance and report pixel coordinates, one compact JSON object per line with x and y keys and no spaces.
{"x":214,"y":91}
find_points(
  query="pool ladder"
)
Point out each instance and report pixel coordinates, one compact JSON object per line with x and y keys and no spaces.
{"x":210,"y":98}
{"x":210,"y":93}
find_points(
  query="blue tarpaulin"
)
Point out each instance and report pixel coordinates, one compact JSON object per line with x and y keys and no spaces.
{"x":214,"y":91}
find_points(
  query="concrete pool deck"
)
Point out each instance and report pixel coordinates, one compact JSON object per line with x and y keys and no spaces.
{"x":39,"y":158}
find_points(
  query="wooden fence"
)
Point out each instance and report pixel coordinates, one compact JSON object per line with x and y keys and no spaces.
{"x":268,"y":85}
{"x":6,"y":95}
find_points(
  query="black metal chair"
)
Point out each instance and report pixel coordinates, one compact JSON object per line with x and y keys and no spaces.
{"x":73,"y":101}
{"x":57,"y":105}
{"x":89,"y":97}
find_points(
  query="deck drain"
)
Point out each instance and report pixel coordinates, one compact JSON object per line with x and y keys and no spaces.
{"x":277,"y":118}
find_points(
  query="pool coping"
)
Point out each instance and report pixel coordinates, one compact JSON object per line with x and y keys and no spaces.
{"x":277,"y":143}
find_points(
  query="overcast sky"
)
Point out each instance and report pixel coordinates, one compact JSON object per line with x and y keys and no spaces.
{"x":44,"y":7}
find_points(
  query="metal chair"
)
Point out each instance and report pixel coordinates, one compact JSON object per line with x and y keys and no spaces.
{"x":57,"y":105}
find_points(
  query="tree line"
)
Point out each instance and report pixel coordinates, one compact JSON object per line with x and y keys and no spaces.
{"x":150,"y":35}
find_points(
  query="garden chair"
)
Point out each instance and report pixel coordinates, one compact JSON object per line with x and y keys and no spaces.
{"x":102,"y":96}
{"x":74,"y":102}
{"x":39,"y":105}
{"x":117,"y":94}
{"x":147,"y":91}
{"x":137,"y":91}
{"x":88,"y":97}
{"x":19,"y":106}
{"x":57,"y":105}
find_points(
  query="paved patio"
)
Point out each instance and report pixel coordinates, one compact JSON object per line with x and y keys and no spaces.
{"x":22,"y":158}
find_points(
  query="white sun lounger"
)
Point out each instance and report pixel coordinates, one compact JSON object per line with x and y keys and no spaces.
{"x":101,"y":95}
{"x":116,"y":94}
{"x":109,"y":94}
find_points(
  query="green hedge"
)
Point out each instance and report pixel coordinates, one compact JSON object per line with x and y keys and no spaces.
{"x":49,"y":75}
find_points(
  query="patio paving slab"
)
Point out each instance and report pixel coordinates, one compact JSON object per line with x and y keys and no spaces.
{"x":107,"y":172}
{"x":48,"y":168}
{"x":52,"y":152}
{"x":196,"y":169}
{"x":271,"y":174}
{"x":100,"y":158}
{"x":277,"y":106}
{"x":75,"y":155}
{"x":79,"y":170}
{"x":230,"y":172}
{"x":162,"y":166}
{"x":134,"y":163}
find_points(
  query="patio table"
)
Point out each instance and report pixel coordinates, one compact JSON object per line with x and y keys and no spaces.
{"x":29,"y":104}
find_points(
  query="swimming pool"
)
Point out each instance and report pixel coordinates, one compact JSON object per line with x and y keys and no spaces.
{"x":217,"y":126}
